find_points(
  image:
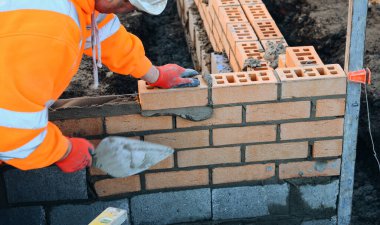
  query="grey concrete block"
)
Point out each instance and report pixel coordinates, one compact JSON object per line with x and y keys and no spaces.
{"x":47,"y":184}
{"x":34,"y":215}
{"x":249,"y":202}
{"x":320,"y":196}
{"x":332,"y":221}
{"x":171,"y":207}
{"x":83,"y":214}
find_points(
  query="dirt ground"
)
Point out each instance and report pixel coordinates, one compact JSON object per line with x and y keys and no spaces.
{"x":321,"y":23}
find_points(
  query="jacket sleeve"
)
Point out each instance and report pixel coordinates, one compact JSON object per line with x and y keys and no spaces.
{"x":37,"y":64}
{"x":121,"y":51}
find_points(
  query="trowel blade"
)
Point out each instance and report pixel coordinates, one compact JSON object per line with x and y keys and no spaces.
{"x":123,"y":157}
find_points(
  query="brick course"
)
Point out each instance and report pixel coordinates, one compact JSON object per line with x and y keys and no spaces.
{"x":312,"y":129}
{"x":328,"y":148}
{"x":116,"y":186}
{"x":189,"y":139}
{"x":208,"y":156}
{"x":278,"y":111}
{"x":276,"y":151}
{"x":80,"y":127}
{"x":243,"y":173}
{"x":309,"y":169}
{"x":239,"y":135}
{"x":176,"y":179}
{"x":330,"y":107}
{"x":134,"y":123}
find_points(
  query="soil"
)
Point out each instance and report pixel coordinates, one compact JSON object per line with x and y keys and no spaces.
{"x":164,"y":42}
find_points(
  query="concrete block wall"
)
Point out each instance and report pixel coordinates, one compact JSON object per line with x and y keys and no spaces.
{"x":270,"y":152}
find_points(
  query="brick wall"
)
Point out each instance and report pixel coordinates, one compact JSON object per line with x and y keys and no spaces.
{"x":275,"y":135}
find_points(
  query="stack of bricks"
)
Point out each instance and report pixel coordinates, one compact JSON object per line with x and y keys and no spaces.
{"x":240,"y":28}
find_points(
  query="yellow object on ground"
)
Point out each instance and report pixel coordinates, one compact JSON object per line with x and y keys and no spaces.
{"x":111,"y":216}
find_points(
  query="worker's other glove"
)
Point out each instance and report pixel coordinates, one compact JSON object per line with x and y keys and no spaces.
{"x":79,"y":156}
{"x":174,"y":76}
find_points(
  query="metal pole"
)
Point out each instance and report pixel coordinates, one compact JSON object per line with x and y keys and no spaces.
{"x":357,"y":17}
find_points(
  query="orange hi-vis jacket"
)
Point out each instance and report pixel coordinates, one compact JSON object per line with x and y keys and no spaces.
{"x":41,"y":47}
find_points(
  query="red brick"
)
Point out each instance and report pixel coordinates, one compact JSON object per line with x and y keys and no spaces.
{"x":293,"y":150}
{"x":312,"y":81}
{"x":312,"y":129}
{"x":215,"y":4}
{"x":281,"y":61}
{"x":242,"y":87}
{"x":117,"y":186}
{"x":80,"y":127}
{"x":189,"y":139}
{"x":235,"y":174}
{"x":266,"y":29}
{"x":265,"y":42}
{"x":328,"y":148}
{"x":164,"y":164}
{"x":239,"y":135}
{"x":278,"y":111}
{"x":233,"y":62}
{"x":176,"y":179}
{"x":330,"y":107}
{"x":247,"y":50}
{"x":225,"y":115}
{"x":134,"y":123}
{"x":256,"y":12}
{"x":310,"y":169}
{"x":155,"y":99}
{"x":231,"y":14}
{"x":302,"y":56}
{"x":208,"y":156}
{"x":238,"y":32}
{"x":250,"y":2}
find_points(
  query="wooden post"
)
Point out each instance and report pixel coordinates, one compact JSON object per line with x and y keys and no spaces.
{"x":355,"y":45}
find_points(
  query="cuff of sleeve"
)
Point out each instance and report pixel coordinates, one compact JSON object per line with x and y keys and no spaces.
{"x":142,"y":68}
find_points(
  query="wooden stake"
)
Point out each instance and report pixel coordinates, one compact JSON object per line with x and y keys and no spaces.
{"x":355,"y":45}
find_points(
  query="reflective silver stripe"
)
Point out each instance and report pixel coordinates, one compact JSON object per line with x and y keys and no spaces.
{"x":23,"y":120}
{"x":106,"y":31}
{"x":25,"y":150}
{"x":60,"y":6}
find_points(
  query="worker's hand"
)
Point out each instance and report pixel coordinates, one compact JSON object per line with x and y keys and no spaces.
{"x":79,"y":157}
{"x":174,"y":76}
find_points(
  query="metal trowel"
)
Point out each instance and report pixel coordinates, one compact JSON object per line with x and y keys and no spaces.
{"x":123,"y":157}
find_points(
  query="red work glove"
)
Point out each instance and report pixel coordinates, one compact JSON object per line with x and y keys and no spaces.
{"x":174,"y":76}
{"x":79,"y":156}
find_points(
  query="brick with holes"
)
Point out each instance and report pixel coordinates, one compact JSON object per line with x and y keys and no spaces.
{"x":254,"y":86}
{"x":250,"y":2}
{"x":256,"y":12}
{"x":302,"y":56}
{"x":231,"y":14}
{"x":266,"y":29}
{"x":248,"y":49}
{"x":215,"y":4}
{"x":151,"y":98}
{"x":310,"y":81}
{"x":239,"y":32}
